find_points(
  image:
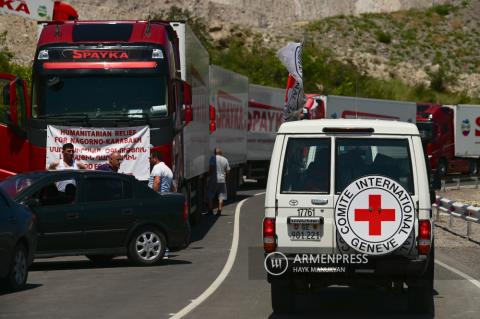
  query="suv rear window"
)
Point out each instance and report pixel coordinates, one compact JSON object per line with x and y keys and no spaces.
{"x":306,"y":168}
{"x":372,"y":156}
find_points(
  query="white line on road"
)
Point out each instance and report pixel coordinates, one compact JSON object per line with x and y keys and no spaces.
{"x":225,"y":271}
{"x":458,"y":272}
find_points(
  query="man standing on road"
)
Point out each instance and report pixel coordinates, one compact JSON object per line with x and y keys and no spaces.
{"x":161,"y":176}
{"x":113,"y":165}
{"x":218,"y":174}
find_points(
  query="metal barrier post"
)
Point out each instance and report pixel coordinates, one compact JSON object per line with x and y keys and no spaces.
{"x":468,"y":229}
{"x":443,"y":185}
{"x":476,"y":182}
{"x":450,"y":220}
{"x":458,"y":183}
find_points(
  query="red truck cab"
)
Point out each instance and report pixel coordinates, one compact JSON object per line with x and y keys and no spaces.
{"x":435,"y":123}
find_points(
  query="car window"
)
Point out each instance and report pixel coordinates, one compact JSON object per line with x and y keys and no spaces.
{"x":60,"y":192}
{"x":107,"y":189}
{"x":306,"y":167}
{"x":372,"y":156}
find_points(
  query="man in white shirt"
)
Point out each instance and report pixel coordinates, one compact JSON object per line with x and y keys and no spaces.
{"x":217,"y":183}
{"x":161,"y":176}
{"x":67,"y":162}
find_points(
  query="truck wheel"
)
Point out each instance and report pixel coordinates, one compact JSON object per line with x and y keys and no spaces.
{"x":100,"y":259}
{"x":147,"y":246}
{"x":442,"y":168}
{"x":420,"y":290}
{"x":473,"y":167}
{"x":18,"y":272}
{"x":283,"y":296}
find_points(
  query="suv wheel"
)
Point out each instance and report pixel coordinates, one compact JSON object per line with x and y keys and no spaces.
{"x":420,"y":290}
{"x":18,"y":273}
{"x":147,"y":246}
{"x":283,"y":296}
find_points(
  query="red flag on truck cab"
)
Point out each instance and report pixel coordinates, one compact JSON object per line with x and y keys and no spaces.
{"x":63,"y":11}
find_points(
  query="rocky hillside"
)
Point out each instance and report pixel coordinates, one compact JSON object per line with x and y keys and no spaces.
{"x":387,"y":39}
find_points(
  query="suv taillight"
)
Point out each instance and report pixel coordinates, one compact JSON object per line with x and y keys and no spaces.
{"x":269,"y":241}
{"x":424,"y":236}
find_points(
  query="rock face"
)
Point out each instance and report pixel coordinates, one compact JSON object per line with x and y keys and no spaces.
{"x":276,"y":20}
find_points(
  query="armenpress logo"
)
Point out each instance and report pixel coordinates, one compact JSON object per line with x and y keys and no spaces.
{"x":374,"y":215}
{"x":293,"y":202}
{"x":276,"y":263}
{"x":465,"y":127}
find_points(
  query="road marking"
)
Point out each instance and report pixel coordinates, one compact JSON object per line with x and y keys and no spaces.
{"x":458,"y":272}
{"x":225,"y":271}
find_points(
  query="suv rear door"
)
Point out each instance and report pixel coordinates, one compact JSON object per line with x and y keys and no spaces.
{"x":378,"y":155}
{"x":304,"y":195}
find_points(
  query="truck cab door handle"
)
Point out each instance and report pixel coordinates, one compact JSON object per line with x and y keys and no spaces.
{"x":319,"y":201}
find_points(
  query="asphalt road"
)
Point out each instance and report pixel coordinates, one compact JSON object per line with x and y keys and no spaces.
{"x":74,"y":288}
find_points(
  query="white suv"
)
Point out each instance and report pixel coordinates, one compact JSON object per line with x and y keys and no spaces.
{"x":348,"y":200}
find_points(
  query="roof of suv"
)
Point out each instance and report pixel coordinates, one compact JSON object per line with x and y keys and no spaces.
{"x":378,"y":126}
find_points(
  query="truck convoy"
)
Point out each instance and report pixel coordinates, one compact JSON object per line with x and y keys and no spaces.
{"x":134,"y":73}
{"x":452,"y":137}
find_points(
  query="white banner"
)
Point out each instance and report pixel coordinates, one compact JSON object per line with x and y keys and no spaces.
{"x":41,"y":10}
{"x":291,"y":58}
{"x":93,"y":146}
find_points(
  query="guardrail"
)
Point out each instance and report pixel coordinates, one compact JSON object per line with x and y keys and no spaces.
{"x":458,"y":180}
{"x":470,"y":214}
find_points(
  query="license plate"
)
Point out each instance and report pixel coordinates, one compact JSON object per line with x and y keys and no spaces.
{"x":306,"y":228}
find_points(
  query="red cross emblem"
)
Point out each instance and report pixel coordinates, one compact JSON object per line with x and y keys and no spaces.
{"x":375,"y":215}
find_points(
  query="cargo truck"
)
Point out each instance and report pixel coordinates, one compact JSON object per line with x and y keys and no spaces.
{"x":265,"y":112}
{"x":451,"y":135}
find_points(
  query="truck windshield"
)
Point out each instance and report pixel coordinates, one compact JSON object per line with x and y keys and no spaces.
{"x":426,"y":130}
{"x":101,"y":95}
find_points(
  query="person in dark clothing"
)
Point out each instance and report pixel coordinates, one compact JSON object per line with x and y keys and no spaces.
{"x":113,"y":165}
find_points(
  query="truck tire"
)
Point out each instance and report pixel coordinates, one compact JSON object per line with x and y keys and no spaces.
{"x":283,"y":296}
{"x":420,"y":290}
{"x":473,"y":167}
{"x":18,"y":272}
{"x":442,"y":168}
{"x":147,"y":246}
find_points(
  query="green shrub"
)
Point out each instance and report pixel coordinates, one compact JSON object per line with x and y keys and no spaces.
{"x":383,"y":37}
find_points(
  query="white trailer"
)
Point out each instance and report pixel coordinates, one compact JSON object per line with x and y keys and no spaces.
{"x":194,"y":67}
{"x":362,"y":108}
{"x":265,"y":112}
{"x":229,"y":97}
{"x":467,"y":130}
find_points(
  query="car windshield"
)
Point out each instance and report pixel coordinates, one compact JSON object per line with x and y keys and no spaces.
{"x":100,"y":95}
{"x":16,"y":184}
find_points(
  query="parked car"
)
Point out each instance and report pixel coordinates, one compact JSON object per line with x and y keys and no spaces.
{"x":101,"y":215}
{"x":18,"y":240}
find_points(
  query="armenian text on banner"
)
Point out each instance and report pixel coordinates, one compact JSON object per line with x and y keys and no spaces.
{"x":93,"y":146}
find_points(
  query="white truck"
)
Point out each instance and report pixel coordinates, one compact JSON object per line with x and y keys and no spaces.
{"x":194,"y":67}
{"x":229,"y":98}
{"x":467,"y":131}
{"x":332,"y":107}
{"x":265,"y":112}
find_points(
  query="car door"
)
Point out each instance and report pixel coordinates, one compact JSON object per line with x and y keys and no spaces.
{"x":58,"y":215}
{"x":14,"y":111}
{"x":109,"y":211}
{"x":304,"y":196}
{"x":7,"y":234}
